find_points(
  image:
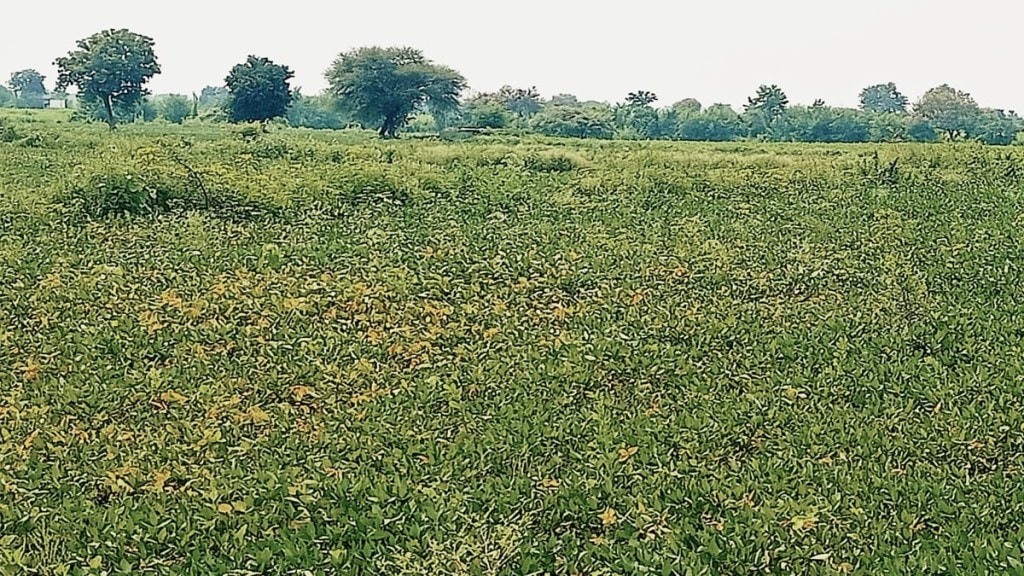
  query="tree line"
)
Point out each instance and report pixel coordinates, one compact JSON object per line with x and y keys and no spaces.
{"x":398,"y":89}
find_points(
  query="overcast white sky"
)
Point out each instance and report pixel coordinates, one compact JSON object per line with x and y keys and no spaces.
{"x":713,"y":50}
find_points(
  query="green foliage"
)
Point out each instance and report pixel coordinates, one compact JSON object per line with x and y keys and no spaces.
{"x":574,"y":122}
{"x":29,"y":89}
{"x":508,"y":356}
{"x":259,"y":90}
{"x":719,"y":123}
{"x":316,"y":112}
{"x":110,"y":69}
{"x":883,"y":99}
{"x":520,"y":102}
{"x":175,"y":108}
{"x":8,"y":133}
{"x":953,"y":111}
{"x":922,"y":131}
{"x":478,"y":114}
{"x":382,"y":87}
{"x":996,"y":127}
{"x":7,"y":98}
{"x":765,"y":108}
{"x":213,"y":98}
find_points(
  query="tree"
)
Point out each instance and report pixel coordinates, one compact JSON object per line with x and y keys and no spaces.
{"x":383,"y":86}
{"x":175,"y":108}
{"x":259,"y":90}
{"x":574,"y":122}
{"x":564,"y":100}
{"x":997,"y":127}
{"x":641,"y":98}
{"x":110,"y":68}
{"x":213,"y":97}
{"x":29,"y":88}
{"x":523,"y":102}
{"x":687,"y":108}
{"x":314,"y":112}
{"x":948,"y":109}
{"x":765,"y":107}
{"x":482,"y":113}
{"x":6,"y":97}
{"x":719,"y":123}
{"x":883,"y":98}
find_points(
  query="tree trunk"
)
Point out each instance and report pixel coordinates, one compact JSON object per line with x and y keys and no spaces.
{"x":109,"y":105}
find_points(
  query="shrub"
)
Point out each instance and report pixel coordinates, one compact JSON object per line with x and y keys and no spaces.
{"x":120,"y":191}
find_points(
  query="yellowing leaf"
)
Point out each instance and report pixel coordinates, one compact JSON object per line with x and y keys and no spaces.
{"x":172,"y":397}
{"x":549,"y":483}
{"x":31,"y":370}
{"x":804,"y":523}
{"x":627,"y":453}
{"x":300,"y":392}
{"x":159,"y":479}
{"x":597,"y":540}
{"x":609,"y":517}
{"x":224,"y":508}
{"x":845,"y":568}
{"x":821,"y":557}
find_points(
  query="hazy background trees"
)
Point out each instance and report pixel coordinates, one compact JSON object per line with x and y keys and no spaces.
{"x":394,"y":89}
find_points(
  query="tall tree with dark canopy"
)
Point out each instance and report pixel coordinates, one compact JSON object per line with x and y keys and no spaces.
{"x":765,"y":108}
{"x":29,"y":88}
{"x":641,"y":98}
{"x":259,"y":90}
{"x":109,"y":68}
{"x":381,"y":87}
{"x":883,"y":98}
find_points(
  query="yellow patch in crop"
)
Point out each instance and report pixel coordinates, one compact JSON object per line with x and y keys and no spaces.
{"x":609,"y":517}
{"x":627,"y":453}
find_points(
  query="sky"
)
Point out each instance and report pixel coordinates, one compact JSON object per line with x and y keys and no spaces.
{"x":712,"y":50}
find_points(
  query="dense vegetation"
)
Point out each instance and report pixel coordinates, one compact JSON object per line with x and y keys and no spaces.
{"x":396,"y":89}
{"x":225,"y":350}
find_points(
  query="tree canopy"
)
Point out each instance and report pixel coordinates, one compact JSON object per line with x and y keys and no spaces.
{"x":883,"y":98}
{"x":765,"y":108}
{"x":382,"y":87}
{"x":259,"y":90}
{"x":110,"y":68}
{"x":29,"y":88}
{"x":948,"y":109}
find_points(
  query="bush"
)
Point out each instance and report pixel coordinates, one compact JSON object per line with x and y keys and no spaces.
{"x":7,"y":131}
{"x":120,"y":191}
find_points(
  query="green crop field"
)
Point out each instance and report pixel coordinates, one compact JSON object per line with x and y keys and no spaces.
{"x":223,"y":351}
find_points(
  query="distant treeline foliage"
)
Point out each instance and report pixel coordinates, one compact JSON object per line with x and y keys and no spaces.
{"x":391,"y":90}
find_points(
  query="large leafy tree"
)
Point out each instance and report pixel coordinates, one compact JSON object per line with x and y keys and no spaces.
{"x":953,"y":111}
{"x":766,"y":107}
{"x":259,"y":90}
{"x":110,"y":68}
{"x":883,"y":98}
{"x":29,"y":88}
{"x":382,"y":87}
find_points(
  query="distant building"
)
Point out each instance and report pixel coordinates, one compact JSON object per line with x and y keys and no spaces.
{"x":58,"y":103}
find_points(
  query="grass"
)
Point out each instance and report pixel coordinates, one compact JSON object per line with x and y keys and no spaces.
{"x":508,"y":357}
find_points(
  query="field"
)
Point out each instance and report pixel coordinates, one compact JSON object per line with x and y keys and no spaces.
{"x":315,"y":353}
